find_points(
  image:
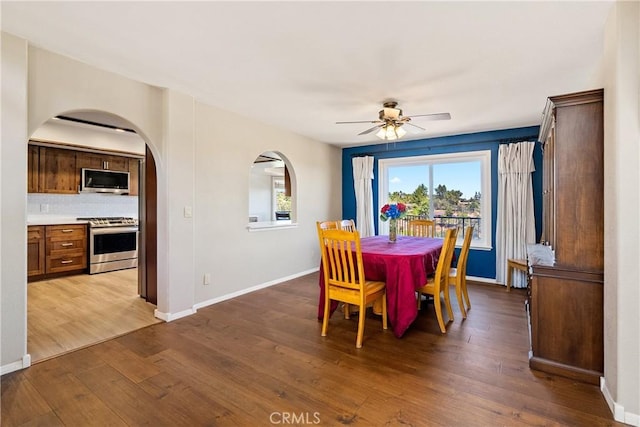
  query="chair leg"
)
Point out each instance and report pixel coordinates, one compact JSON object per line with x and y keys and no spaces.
{"x":438,"y":306}
{"x":325,"y":318}
{"x":347,"y":311}
{"x":384,"y":311}
{"x":419,"y":300}
{"x":459,"y":298}
{"x":361,"y":316}
{"x":466,"y":294}
{"x":447,"y":303}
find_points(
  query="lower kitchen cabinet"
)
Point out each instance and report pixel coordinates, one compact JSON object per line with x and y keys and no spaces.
{"x":60,"y":249}
{"x":35,"y":250}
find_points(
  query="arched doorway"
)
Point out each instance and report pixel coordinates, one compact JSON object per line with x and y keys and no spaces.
{"x":77,"y":309}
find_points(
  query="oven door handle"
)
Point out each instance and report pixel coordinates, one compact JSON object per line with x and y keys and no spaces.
{"x":113,"y":230}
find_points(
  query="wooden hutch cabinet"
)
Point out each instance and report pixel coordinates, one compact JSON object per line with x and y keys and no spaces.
{"x":567,"y":298}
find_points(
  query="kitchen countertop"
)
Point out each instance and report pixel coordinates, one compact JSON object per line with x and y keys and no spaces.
{"x":53,"y":220}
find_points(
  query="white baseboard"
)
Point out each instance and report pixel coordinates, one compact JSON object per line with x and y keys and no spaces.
{"x":168,"y":317}
{"x":616,"y":409}
{"x":253,"y":289}
{"x":25,"y":362}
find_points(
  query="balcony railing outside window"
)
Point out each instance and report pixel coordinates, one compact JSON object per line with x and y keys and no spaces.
{"x":443,"y":223}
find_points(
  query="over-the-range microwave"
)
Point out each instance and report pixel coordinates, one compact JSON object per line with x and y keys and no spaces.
{"x":104,"y":181}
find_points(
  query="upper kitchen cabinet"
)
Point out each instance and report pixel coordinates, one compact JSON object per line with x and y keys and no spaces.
{"x":57,"y":171}
{"x":134,"y":176}
{"x":33,"y":157}
{"x":101,"y":161}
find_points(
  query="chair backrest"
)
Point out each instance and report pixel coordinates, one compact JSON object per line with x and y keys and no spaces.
{"x":342,"y":265}
{"x":328,"y":225}
{"x":446,"y":254}
{"x":421,"y":227}
{"x":348,"y":225}
{"x":464,"y":252}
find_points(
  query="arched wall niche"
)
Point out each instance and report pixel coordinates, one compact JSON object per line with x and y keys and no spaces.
{"x":272,"y":190}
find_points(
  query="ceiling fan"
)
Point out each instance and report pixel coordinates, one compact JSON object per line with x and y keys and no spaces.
{"x":390,"y":121}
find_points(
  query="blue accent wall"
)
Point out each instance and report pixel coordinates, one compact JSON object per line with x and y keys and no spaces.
{"x":481,"y":263}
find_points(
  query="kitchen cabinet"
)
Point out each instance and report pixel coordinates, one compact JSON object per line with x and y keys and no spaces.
{"x":54,"y":250}
{"x":567,"y":298}
{"x":57,"y":171}
{"x":33,"y":167}
{"x":35,"y":250}
{"x":66,"y":248}
{"x":134,"y":176}
{"x":101,"y":161}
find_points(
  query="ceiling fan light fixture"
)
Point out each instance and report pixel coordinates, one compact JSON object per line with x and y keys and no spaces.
{"x":391,"y":132}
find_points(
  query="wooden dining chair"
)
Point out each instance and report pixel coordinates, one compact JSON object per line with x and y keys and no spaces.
{"x":422,"y":227}
{"x":438,"y":283}
{"x":348,"y":225}
{"x":344,"y":278}
{"x":458,"y":275}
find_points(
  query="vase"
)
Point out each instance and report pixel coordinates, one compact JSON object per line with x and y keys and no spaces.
{"x":393,"y":230}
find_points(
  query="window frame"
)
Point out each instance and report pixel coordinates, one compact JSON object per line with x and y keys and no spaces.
{"x":483,"y":156}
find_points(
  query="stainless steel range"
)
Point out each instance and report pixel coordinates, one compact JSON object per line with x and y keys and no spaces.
{"x":113,"y":243}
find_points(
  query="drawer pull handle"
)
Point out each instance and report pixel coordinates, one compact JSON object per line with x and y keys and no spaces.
{"x":66,"y":245}
{"x":67,"y":230}
{"x":66,"y":261}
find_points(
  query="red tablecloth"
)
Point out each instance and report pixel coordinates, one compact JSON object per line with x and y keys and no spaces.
{"x":404,"y":266}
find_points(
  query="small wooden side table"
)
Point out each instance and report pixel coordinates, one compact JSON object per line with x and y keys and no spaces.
{"x":515,"y":264}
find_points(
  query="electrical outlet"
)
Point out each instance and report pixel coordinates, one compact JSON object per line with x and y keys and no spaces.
{"x":207,"y":279}
{"x":44,"y":207}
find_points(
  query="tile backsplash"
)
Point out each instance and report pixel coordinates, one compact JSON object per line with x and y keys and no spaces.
{"x":82,"y":205}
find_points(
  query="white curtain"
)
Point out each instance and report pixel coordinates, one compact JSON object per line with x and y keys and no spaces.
{"x":516,"y":223}
{"x":362,"y":177}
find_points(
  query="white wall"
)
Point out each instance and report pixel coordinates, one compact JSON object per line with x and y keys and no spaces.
{"x":622,"y":203}
{"x":13,"y":179}
{"x":235,"y":257}
{"x":203,"y":157}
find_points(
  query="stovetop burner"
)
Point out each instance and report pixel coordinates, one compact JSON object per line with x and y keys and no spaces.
{"x":114,"y":221}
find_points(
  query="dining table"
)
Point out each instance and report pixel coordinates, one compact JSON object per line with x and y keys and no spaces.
{"x":403,"y":265}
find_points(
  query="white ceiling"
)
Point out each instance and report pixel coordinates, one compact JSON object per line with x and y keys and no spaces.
{"x":303,"y":66}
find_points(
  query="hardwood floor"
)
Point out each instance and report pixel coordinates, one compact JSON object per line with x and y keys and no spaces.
{"x":259,"y":359}
{"x":69,"y":313}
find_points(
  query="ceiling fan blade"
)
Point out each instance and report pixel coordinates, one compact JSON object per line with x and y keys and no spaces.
{"x":362,"y":121}
{"x":370,"y":130}
{"x":415,"y":126}
{"x":434,"y":116}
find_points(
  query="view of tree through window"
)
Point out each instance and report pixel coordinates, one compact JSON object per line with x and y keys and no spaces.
{"x":448,"y":188}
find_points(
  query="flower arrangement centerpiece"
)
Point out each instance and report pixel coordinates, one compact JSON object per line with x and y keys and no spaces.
{"x":391,"y":212}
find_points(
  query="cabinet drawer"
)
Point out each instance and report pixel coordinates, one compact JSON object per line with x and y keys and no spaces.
{"x":60,"y":263}
{"x":66,"y":247}
{"x":66,"y":232}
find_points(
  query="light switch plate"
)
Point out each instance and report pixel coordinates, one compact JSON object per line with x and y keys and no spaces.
{"x":188,"y":212}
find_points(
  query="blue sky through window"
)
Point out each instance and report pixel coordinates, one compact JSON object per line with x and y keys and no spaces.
{"x":464,"y":176}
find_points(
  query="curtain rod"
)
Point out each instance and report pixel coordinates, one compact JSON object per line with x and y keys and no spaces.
{"x":457,"y":144}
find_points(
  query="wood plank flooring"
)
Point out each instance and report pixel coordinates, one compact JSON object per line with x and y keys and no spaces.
{"x":69,"y":313}
{"x":259,"y":360}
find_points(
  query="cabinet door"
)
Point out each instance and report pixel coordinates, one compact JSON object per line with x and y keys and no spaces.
{"x":35,"y":250}
{"x":134,"y":176}
{"x":117,"y":163}
{"x":33,"y":156}
{"x":58,"y":171}
{"x":101,"y":161}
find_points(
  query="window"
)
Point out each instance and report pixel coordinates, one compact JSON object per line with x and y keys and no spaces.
{"x":454,"y":189}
